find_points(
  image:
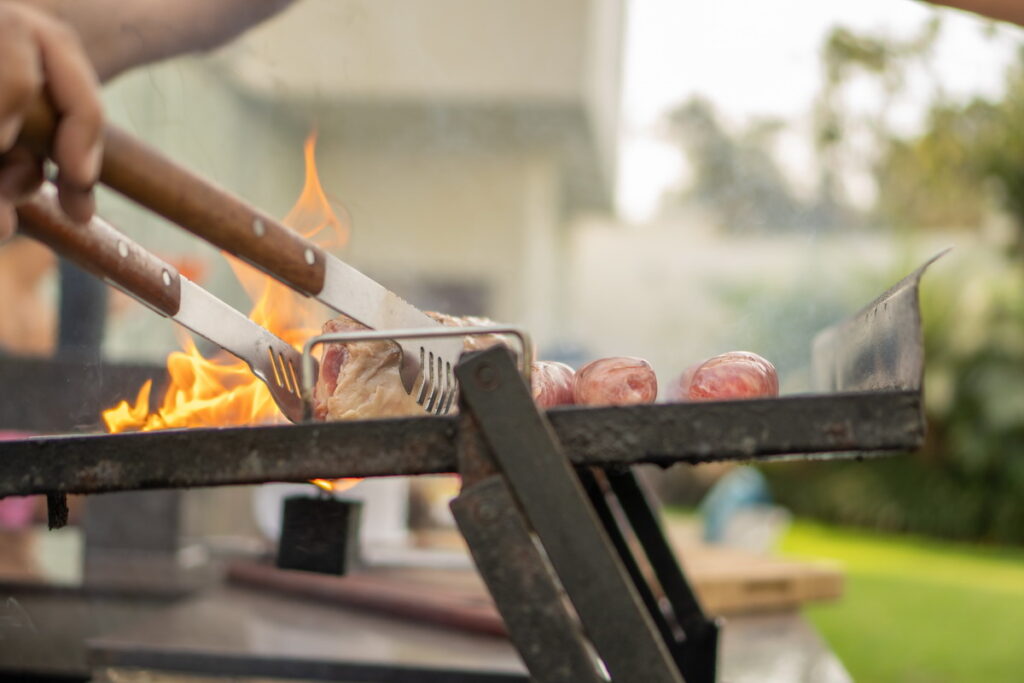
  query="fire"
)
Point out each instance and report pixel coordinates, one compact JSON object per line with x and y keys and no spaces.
{"x":335,"y":485}
{"x":221,"y":391}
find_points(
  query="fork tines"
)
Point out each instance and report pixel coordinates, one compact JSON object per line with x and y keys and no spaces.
{"x":437,"y":387}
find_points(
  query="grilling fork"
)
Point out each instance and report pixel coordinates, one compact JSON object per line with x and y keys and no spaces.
{"x":99,"y":248}
{"x":146,"y":176}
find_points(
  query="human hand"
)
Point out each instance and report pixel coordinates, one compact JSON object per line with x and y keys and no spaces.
{"x":41,"y":57}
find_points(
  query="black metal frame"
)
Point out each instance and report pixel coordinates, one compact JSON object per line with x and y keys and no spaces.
{"x":520,"y":484}
{"x":842,"y":425}
{"x":691,"y":636}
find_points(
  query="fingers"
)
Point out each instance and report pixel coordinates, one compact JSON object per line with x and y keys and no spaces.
{"x":40,"y":56}
{"x":78,"y":204}
{"x":21,"y":77}
{"x":74,"y":91}
{"x":21,"y":174}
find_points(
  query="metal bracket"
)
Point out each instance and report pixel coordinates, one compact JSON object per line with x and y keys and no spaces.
{"x":691,"y":636}
{"x":534,"y":491}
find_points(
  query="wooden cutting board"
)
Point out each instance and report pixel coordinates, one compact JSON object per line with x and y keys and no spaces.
{"x":734,"y":582}
{"x":726,"y":581}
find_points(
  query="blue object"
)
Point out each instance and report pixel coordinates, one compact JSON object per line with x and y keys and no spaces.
{"x":741,"y":488}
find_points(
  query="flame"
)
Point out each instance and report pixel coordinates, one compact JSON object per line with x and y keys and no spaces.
{"x":335,"y":485}
{"x":221,"y":391}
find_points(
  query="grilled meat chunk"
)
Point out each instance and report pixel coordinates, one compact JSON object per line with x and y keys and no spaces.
{"x":620,"y":380}
{"x":732,"y":375}
{"x":552,"y":383}
{"x":360,"y":380}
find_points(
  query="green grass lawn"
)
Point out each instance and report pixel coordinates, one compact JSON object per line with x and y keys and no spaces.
{"x":918,"y":610}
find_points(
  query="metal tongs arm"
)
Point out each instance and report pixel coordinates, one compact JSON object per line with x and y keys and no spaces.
{"x":102,"y":250}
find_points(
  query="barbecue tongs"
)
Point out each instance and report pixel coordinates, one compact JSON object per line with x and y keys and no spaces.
{"x":148,"y":177}
{"x":99,"y":248}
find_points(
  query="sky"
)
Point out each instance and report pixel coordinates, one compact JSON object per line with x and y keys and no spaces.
{"x":755,"y":58}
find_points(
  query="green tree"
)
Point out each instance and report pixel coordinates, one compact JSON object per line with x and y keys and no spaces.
{"x":968,"y":159}
{"x":736,"y":176}
{"x":846,"y":55}
{"x":937,"y":179}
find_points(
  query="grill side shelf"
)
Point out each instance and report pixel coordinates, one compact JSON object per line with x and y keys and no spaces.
{"x":663,"y":434}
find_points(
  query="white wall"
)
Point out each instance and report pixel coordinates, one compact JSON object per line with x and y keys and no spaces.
{"x":409,"y":49}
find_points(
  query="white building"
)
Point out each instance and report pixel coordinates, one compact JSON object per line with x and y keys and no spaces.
{"x":462,"y":138}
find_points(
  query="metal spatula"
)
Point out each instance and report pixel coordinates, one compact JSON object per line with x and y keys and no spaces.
{"x":99,"y":248}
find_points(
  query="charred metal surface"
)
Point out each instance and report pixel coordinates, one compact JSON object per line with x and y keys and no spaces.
{"x":539,"y":622}
{"x":62,"y":396}
{"x":879,"y":348}
{"x":664,"y":434}
{"x":215,"y":457}
{"x":556,"y":507}
{"x":474,"y":463}
{"x":737,"y":430}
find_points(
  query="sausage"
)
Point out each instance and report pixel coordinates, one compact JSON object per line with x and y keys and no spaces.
{"x":621,"y":380}
{"x":733,"y":375}
{"x":552,"y":383}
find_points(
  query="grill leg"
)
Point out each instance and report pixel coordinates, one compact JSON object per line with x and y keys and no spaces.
{"x":539,"y":621}
{"x":695,"y":649}
{"x":552,"y":502}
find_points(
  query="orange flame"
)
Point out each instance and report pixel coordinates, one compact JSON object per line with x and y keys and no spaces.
{"x":335,"y":485}
{"x":221,"y":390}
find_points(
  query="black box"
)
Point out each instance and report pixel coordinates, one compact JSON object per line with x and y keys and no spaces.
{"x":319,"y":534}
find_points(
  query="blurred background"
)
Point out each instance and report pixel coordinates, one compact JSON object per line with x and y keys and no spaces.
{"x":672,"y":181}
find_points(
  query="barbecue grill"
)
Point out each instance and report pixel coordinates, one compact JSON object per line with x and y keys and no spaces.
{"x":562,"y":477}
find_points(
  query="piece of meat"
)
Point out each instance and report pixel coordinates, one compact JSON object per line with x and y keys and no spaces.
{"x":733,"y":375}
{"x":552,"y":383}
{"x":477,"y":342}
{"x":360,"y":380}
{"x":621,"y":380}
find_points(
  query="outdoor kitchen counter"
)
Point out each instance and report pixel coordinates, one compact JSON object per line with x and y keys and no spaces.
{"x":250,"y":635}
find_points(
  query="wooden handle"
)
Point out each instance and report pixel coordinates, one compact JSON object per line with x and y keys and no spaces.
{"x":103,"y":251}
{"x":146,"y":176}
